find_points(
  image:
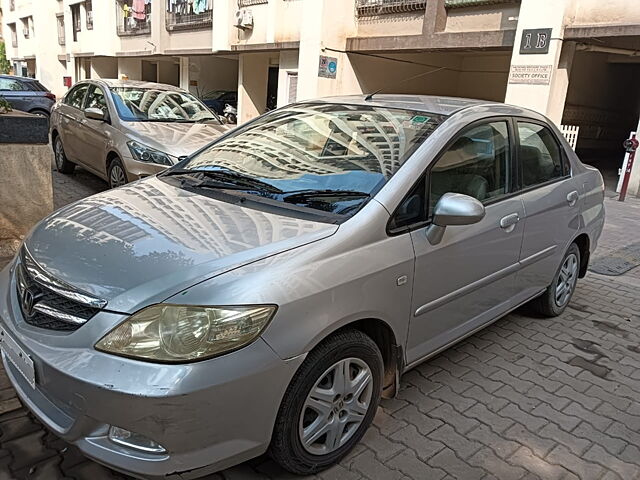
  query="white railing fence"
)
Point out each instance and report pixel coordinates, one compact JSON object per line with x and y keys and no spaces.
{"x":570,"y":132}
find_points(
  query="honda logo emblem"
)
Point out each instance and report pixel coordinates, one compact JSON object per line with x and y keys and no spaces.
{"x":28,"y":302}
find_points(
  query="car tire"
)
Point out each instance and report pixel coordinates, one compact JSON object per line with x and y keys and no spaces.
{"x":557,"y":296}
{"x":116,"y":174}
{"x":338,"y":416}
{"x":63,"y":165}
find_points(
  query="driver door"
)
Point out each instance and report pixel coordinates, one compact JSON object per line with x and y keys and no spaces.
{"x":93,"y":134}
{"x":470,"y":277}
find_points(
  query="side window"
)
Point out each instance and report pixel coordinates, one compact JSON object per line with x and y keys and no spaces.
{"x":539,"y":153}
{"x":412,"y":209}
{"x":477,"y":164}
{"x":75,"y":97}
{"x":11,"y":84}
{"x":95,"y":99}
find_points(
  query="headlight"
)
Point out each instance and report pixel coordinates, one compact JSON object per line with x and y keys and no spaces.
{"x":142,"y":153}
{"x":182,"y":333}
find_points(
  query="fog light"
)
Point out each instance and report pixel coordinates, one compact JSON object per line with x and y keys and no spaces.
{"x":134,"y":440}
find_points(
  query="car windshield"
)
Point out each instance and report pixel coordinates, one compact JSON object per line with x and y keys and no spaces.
{"x":328,"y":157}
{"x":136,"y":104}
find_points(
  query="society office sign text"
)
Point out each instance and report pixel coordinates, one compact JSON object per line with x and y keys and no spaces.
{"x":530,"y":74}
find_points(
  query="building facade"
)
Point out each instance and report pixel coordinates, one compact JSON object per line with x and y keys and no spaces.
{"x":577,"y":61}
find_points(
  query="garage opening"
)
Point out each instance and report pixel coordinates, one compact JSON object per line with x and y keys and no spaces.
{"x":478,"y":74}
{"x":603,"y":100}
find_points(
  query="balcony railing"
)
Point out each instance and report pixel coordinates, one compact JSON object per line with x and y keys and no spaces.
{"x":189,"y":21}
{"x":372,"y":8}
{"x":249,"y":3}
{"x":474,"y":3}
{"x":140,"y":27}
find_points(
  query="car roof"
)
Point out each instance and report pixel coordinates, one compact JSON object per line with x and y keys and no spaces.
{"x":16,"y":77}
{"x":114,"y":82}
{"x":439,"y":105}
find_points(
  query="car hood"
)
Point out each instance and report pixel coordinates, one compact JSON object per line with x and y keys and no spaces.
{"x":147,"y":241}
{"x":175,"y":139}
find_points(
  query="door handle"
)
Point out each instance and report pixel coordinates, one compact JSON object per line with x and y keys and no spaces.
{"x":572,"y":198}
{"x":509,"y":221}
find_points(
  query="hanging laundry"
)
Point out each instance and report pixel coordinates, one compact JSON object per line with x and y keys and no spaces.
{"x":199,"y":6}
{"x":138,"y":8}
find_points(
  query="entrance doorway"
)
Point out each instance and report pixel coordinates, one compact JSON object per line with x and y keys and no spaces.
{"x":603,"y":100}
{"x":272,"y":88}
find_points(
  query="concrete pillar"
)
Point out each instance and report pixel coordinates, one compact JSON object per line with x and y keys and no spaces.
{"x":547,"y":98}
{"x":288,"y":65}
{"x":253,"y":75}
{"x":326,"y":23}
{"x":184,"y":73}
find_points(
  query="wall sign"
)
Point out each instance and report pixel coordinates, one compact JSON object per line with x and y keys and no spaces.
{"x":328,"y":67}
{"x":535,"y":41}
{"x":530,"y":74}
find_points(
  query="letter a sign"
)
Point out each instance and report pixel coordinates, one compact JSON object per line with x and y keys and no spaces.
{"x":535,"y":41}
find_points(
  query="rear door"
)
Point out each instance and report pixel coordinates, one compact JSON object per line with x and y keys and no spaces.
{"x":551,"y":202}
{"x":71,"y":115}
{"x":15,"y":92}
{"x":470,"y":277}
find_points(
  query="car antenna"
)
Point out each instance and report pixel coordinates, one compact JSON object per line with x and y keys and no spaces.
{"x":370,"y":96}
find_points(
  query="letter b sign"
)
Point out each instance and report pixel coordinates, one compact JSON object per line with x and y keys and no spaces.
{"x":535,"y":41}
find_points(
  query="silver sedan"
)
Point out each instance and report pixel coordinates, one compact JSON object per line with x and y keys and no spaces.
{"x":265,"y":293}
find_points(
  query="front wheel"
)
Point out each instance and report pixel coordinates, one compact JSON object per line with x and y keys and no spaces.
{"x":117,"y":174}
{"x":329,"y":404}
{"x":556,"y":297}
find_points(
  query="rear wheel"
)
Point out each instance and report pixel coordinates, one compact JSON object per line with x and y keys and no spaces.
{"x":557,"y":295}
{"x":117,"y":173}
{"x":329,"y":404}
{"x":63,"y":165}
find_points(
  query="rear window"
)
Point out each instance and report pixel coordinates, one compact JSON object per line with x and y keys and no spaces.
{"x":36,"y":86}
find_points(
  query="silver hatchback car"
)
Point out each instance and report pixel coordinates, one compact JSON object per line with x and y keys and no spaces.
{"x":124,"y":130}
{"x":263,"y":294}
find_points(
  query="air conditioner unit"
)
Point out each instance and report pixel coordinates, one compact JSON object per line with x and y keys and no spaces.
{"x":244,"y":19}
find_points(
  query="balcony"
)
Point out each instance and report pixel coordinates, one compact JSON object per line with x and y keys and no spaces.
{"x":475,"y":3}
{"x":372,"y":8}
{"x":188,"y":21}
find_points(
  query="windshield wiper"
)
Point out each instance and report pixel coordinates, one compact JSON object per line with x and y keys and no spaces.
{"x":227,"y":177}
{"x":296,"y":195}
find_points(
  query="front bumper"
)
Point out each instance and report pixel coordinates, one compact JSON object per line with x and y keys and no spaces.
{"x":208,"y":415}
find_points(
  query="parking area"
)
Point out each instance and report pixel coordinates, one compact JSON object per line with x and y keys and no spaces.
{"x":527,"y":397}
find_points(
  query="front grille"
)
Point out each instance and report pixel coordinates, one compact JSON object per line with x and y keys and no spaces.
{"x":44,"y":307}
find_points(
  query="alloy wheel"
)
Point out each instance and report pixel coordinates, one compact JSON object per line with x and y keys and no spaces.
{"x":566,"y":280}
{"x":59,"y":154}
{"x":336,"y":406}
{"x":117,"y":177}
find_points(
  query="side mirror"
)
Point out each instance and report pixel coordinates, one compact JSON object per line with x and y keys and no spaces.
{"x":453,"y":209}
{"x":95,"y":114}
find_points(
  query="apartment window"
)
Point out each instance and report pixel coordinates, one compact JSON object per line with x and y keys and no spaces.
{"x":292,"y":94}
{"x":188,"y":14}
{"x":14,"y":35}
{"x":27,"y":27}
{"x":372,"y":8}
{"x":75,"y":21}
{"x":88,"y":7}
{"x":134,"y":17}
{"x":60,"y":23}
{"x":12,"y":5}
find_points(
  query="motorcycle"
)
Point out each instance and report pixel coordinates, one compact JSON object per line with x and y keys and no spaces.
{"x":230,"y":113}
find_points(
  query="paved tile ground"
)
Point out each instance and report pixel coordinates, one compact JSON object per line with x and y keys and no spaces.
{"x":525,"y":398}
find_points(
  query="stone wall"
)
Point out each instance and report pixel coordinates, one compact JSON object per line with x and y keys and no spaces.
{"x":26,"y":194}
